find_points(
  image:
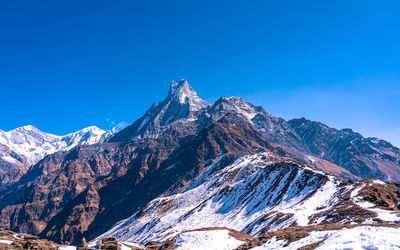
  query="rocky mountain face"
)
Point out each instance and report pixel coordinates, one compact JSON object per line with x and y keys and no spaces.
{"x":363,"y":157}
{"x":27,"y":145}
{"x":187,"y":164}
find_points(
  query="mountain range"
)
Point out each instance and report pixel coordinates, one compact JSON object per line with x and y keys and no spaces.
{"x":28,"y":145}
{"x":188,"y":171}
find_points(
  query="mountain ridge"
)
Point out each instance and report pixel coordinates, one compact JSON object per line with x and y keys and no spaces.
{"x":277,"y":130}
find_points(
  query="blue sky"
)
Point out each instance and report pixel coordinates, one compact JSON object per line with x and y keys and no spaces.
{"x":65,"y":65}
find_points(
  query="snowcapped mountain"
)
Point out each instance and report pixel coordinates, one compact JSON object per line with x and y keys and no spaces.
{"x":28,"y":145}
{"x":334,"y":151}
{"x":187,"y":171}
{"x":185,"y":94}
{"x":181,"y":106}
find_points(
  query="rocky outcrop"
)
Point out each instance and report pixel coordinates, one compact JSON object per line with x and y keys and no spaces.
{"x":12,"y":240}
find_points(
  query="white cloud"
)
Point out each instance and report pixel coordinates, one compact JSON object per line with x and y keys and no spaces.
{"x":120,"y":126}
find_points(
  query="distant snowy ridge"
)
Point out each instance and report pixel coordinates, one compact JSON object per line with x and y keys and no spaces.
{"x":28,"y":144}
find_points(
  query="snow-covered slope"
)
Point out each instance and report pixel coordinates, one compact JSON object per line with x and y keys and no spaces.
{"x":28,"y":144}
{"x":249,"y":195}
{"x":255,"y":194}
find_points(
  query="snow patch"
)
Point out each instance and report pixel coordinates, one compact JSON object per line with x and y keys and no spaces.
{"x":8,"y":242}
{"x":207,"y":240}
{"x":10,"y":159}
{"x":131,"y":244}
{"x":379,"y":182}
{"x":356,"y":190}
{"x":67,"y":248}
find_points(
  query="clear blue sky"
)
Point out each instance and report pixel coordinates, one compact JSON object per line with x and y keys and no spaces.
{"x":65,"y":65}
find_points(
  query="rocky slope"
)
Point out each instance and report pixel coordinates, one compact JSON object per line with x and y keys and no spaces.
{"x":12,"y":240}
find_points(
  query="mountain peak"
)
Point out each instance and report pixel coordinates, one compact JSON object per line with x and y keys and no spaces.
{"x":26,"y":128}
{"x":236,"y":104}
{"x":182,"y":102}
{"x":185,"y":94}
{"x":176,"y":87}
{"x":93,"y":129}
